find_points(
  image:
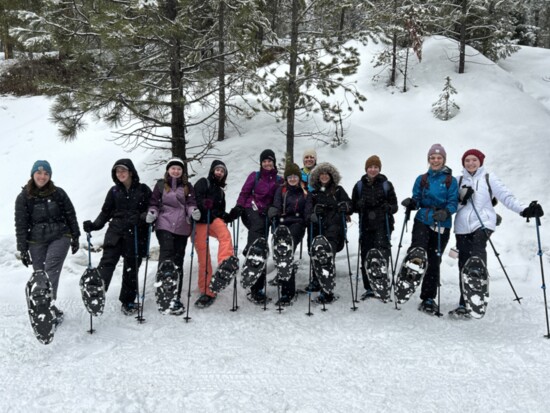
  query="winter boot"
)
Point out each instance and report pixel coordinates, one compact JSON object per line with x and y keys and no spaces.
{"x":205,"y":301}
{"x":129,"y":308}
{"x":176,"y":307}
{"x":258,"y":297}
{"x":429,"y":306}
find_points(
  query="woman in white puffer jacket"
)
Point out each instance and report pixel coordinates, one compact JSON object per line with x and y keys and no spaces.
{"x":476,"y":218}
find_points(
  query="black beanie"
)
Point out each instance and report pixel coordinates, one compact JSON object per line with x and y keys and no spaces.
{"x":268,"y":154}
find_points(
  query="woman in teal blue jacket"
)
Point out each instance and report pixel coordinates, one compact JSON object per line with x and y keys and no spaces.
{"x":435,"y":196}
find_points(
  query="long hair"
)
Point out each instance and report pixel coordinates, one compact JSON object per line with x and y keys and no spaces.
{"x":33,"y":191}
{"x":183,"y":181}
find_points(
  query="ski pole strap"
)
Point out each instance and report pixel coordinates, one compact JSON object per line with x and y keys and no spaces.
{"x":89,"y":238}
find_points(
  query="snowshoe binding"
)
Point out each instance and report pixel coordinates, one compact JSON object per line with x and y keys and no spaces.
{"x":323,"y":263}
{"x":255,"y":262}
{"x":92,"y":289}
{"x":429,"y":307}
{"x":224,"y":274}
{"x":205,"y":301}
{"x":39,"y":294}
{"x":461,"y":312}
{"x":410,"y":274}
{"x":377,"y":273}
{"x":258,"y":297}
{"x":166,"y":284}
{"x":475,"y":286}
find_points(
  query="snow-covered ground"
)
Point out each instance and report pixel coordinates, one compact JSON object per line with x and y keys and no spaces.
{"x":372,"y":359}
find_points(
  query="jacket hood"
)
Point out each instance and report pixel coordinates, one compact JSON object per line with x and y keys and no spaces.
{"x":445,"y":170}
{"x":324,"y":167}
{"x":128,"y":164}
{"x":213,"y":166}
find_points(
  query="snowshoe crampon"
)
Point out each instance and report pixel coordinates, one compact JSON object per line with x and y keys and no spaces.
{"x":224,"y":274}
{"x":39,"y":294}
{"x":377,"y":274}
{"x":92,"y":289}
{"x":475,"y":286}
{"x":323,"y":263}
{"x":410,"y":274}
{"x":166,"y":284}
{"x":254,"y":264}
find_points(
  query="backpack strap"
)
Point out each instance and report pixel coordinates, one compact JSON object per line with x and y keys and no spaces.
{"x":425,"y":184}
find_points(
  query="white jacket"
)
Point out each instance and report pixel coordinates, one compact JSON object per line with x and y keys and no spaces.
{"x":466,"y":220}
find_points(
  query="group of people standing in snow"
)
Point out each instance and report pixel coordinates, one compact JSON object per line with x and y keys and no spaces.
{"x":308,"y":200}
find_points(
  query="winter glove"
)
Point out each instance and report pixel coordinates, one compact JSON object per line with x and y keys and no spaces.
{"x":208,"y":203}
{"x":319,"y":209}
{"x":26,"y":258}
{"x":88,"y":226}
{"x":74,"y":245}
{"x":386,"y":207}
{"x":272,"y":212}
{"x":343,"y":206}
{"x":465,"y":193}
{"x":314,"y":218}
{"x":409,"y":203}
{"x":441,"y":215}
{"x":534,"y":210}
{"x":196,"y":214}
{"x":235,"y":213}
{"x":151,"y":217}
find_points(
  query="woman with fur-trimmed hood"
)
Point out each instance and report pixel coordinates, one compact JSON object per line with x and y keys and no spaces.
{"x":331,"y":206}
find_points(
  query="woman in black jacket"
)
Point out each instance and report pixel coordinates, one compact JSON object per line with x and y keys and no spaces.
{"x":45,"y":226}
{"x":126,"y":208}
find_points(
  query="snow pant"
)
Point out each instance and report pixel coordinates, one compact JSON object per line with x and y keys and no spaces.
{"x":217,"y":229}
{"x":49,"y":257}
{"x":471,"y":245}
{"x":172,"y":248}
{"x":370,"y":239}
{"x":258,"y":227}
{"x":424,"y":236}
{"x":288,"y":287}
{"x":124,"y":247}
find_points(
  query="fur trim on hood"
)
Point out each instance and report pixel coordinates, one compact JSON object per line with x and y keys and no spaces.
{"x":324,"y":167}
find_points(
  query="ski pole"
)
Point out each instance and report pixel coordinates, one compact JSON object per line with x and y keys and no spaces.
{"x":345,"y":229}
{"x":236,"y":252}
{"x":266,"y":226}
{"x":89,"y":238}
{"x":388,"y":233}
{"x":439,"y":314}
{"x":359,"y":258}
{"x":407,"y":217}
{"x":539,"y":253}
{"x":207,"y":256}
{"x":149,"y":231}
{"x":309,"y":313}
{"x":193,"y":234}
{"x":137,"y":268}
{"x":497,"y":255}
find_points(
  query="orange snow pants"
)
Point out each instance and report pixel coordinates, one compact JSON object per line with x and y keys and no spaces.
{"x":217,"y":229}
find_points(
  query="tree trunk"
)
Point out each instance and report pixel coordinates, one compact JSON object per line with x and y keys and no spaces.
{"x":393,"y":73}
{"x":341,"y":26}
{"x":292,"y":87}
{"x":7,"y":45}
{"x":221,"y":73}
{"x":462,"y":40}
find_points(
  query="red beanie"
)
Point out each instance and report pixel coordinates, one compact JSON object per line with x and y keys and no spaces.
{"x":477,"y":153}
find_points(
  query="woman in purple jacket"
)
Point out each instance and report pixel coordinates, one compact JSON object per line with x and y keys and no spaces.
{"x":254,"y":200}
{"x":172,"y":206}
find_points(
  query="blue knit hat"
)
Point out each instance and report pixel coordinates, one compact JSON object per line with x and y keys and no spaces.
{"x":41,"y":166}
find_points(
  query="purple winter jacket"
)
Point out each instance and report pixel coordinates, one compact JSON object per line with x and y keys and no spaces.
{"x":261,"y":192}
{"x":173,"y":209}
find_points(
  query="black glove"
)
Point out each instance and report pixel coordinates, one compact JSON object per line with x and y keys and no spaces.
{"x":226,"y":218}
{"x":235,"y":213}
{"x":534,"y":210}
{"x":26,"y":258}
{"x":409,"y":203}
{"x":386,"y":207}
{"x":74,"y":245}
{"x":465,"y":193}
{"x":343,"y":206}
{"x":319,"y":209}
{"x":272,"y":212}
{"x":88,"y":226}
{"x":441,"y":215}
{"x":314,"y":218}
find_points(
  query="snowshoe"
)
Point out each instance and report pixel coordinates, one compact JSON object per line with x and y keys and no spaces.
{"x":39,"y":301}
{"x":313,"y":286}
{"x":59,"y":316}
{"x":176,"y":307}
{"x":205,"y":301}
{"x":323,"y":263}
{"x":460,"y":312}
{"x":166,"y":283}
{"x":255,"y":262}
{"x":283,"y":252}
{"x":285,"y":301}
{"x":410,"y":274}
{"x":92,"y":289}
{"x":429,"y":307}
{"x":367,"y":294}
{"x":225,"y":272}
{"x":377,"y":273}
{"x":258,"y":297}
{"x":475,"y":286}
{"x":129,"y":308}
{"x":326,"y":298}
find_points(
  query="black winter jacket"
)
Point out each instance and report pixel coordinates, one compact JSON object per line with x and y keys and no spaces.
{"x":294,"y":204}
{"x":125,"y":209}
{"x":44,"y":217}
{"x":370,"y":203}
{"x":210,"y":195}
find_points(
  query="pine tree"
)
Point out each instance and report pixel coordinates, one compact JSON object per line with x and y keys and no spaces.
{"x":445,"y":108}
